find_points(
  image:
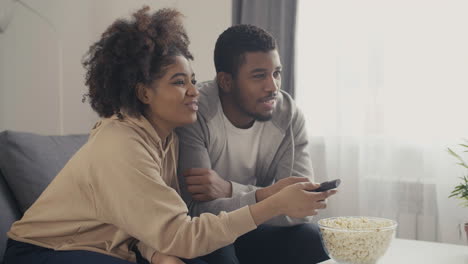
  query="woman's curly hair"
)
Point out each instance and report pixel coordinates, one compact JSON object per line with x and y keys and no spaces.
{"x":132,"y":52}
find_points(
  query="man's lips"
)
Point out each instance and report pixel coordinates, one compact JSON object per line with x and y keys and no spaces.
{"x":268,"y":102}
{"x":268,"y":99}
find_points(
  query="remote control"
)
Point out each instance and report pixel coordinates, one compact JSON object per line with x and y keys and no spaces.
{"x":328,"y":185}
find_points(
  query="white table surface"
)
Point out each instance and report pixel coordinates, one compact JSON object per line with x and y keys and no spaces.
{"x":404,"y":251}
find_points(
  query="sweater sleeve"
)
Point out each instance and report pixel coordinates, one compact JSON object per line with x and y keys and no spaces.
{"x":302,"y":162}
{"x":146,"y":251}
{"x":130,"y":193}
{"x":294,"y":161}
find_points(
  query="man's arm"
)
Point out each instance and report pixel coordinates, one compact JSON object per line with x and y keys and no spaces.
{"x":193,"y":153}
{"x":293,"y":160}
{"x":195,"y":170}
{"x":298,"y":150}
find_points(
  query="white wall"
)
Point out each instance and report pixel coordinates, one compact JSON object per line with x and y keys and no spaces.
{"x":41,"y":91}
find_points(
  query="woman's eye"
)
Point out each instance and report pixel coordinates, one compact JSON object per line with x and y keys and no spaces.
{"x":194,"y":82}
{"x":277,"y":74}
{"x":180,"y":82}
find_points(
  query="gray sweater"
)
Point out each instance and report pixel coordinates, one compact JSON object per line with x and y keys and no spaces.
{"x":283,"y":152}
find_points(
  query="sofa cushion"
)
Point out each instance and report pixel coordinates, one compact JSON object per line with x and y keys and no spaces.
{"x":30,"y":161}
{"x":9,"y":211}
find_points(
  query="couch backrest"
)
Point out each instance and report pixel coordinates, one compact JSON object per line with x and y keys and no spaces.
{"x":28,"y":163}
{"x":9,"y":213}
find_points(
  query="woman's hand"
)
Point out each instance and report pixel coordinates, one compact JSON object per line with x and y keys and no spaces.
{"x":159,"y":258}
{"x":294,"y":200}
{"x":297,"y":201}
{"x":263,"y":193}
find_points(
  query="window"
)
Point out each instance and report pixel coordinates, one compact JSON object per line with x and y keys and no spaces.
{"x":399,"y":67}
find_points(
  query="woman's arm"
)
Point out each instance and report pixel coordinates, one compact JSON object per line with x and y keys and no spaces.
{"x":129,"y":192}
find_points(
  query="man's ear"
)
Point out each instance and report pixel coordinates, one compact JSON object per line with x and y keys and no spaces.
{"x":142,"y":93}
{"x":224,"y":81}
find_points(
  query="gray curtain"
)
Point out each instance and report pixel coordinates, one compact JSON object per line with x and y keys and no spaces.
{"x":277,"y":17}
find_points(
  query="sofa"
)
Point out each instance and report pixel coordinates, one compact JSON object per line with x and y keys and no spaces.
{"x":28,"y":162}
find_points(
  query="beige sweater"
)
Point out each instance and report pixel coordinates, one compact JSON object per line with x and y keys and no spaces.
{"x":118,"y":189}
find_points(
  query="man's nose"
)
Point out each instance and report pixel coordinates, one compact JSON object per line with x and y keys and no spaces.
{"x":273,"y":85}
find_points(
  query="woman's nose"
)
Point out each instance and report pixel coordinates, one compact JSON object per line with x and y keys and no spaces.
{"x":193,"y":91}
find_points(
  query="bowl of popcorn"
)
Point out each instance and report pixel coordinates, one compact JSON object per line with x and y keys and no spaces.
{"x":356,"y":239}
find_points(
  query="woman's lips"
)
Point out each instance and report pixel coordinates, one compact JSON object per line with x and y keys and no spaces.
{"x":192,"y":106}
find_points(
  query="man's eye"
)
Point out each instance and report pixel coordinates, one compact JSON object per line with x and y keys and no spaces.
{"x":259,"y":76}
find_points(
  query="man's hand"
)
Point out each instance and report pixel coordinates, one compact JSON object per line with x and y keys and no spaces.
{"x":206,"y":185}
{"x":262,"y":194}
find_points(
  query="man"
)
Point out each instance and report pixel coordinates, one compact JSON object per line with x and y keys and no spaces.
{"x":248,"y":143}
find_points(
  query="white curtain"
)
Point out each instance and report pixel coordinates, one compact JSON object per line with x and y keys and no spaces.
{"x":384,"y":87}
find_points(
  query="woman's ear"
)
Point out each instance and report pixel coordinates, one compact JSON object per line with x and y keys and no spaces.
{"x":224,"y":81}
{"x":142,"y":93}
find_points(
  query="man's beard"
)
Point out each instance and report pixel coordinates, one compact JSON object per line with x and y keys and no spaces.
{"x":255,"y":116}
{"x":261,"y":118}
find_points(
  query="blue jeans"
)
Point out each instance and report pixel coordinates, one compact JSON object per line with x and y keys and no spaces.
{"x":24,"y":253}
{"x":298,"y":244}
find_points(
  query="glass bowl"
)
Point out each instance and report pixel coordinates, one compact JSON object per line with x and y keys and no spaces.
{"x":356,"y":239}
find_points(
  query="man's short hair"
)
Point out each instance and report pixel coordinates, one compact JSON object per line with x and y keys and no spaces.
{"x":237,"y":40}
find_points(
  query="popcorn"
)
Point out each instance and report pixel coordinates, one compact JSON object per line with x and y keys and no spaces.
{"x":356,"y":240}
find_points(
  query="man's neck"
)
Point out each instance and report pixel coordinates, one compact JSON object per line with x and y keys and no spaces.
{"x":234,"y":114}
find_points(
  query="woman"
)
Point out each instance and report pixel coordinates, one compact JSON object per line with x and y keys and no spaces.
{"x":118,"y":195}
